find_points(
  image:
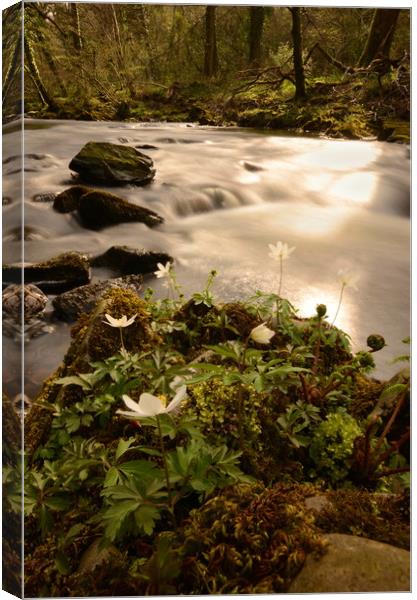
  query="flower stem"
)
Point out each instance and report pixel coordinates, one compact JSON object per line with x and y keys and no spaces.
{"x":121,"y":338}
{"x":164,"y":460}
{"x":317,"y":348}
{"x":280,"y":276}
{"x":340,"y":303}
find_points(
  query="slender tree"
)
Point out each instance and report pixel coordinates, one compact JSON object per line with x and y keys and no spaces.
{"x":256,"y":25}
{"x":76,"y":27}
{"x":14,"y":68}
{"x":381,"y":33}
{"x":297,"y":40}
{"x":33,"y":71}
{"x":211,"y":62}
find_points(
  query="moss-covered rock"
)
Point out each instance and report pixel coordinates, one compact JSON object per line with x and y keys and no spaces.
{"x":127,"y":261}
{"x":69,"y":199}
{"x":59,"y":273}
{"x":70,"y":305}
{"x":39,"y":418}
{"x":94,"y":339}
{"x":113,"y":164}
{"x":381,"y":517}
{"x":99,"y":209}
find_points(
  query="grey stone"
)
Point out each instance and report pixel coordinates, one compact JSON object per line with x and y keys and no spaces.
{"x":354,"y":564}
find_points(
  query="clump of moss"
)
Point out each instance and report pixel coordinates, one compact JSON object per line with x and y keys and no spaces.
{"x":215,"y":406}
{"x":381,"y":517}
{"x":11,"y":430}
{"x":247,"y":540}
{"x":332,"y":446}
{"x":364,"y":396}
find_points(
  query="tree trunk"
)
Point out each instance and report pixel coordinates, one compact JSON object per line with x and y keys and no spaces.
{"x":14,"y":68}
{"x":211,"y":62}
{"x":256,"y":24}
{"x":76,"y":27}
{"x":380,"y":35}
{"x":300,"y":89}
{"x":35,"y":75}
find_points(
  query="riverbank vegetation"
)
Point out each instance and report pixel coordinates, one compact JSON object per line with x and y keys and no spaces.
{"x":176,"y":447}
{"x":343,"y":72}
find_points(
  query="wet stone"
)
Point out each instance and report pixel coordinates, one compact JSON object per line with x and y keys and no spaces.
{"x":126,"y":261}
{"x":34,"y":301}
{"x":45,"y":197}
{"x":98,"y":209}
{"x":112,"y":164}
{"x":58,"y":274}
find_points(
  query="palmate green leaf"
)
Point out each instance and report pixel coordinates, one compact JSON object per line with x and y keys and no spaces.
{"x":115,"y":516}
{"x":141,"y":469}
{"x":146,"y":516}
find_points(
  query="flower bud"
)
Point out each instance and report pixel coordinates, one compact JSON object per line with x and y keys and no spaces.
{"x":321,"y":310}
{"x":375,"y":342}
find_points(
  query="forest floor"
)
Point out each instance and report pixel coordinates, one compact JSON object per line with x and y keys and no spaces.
{"x":356,"y":107}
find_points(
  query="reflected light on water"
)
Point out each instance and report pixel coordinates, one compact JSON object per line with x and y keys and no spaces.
{"x":357,"y":188}
{"x":341,"y":155}
{"x":309,"y":298}
{"x":248,"y":177}
{"x":316,"y":221}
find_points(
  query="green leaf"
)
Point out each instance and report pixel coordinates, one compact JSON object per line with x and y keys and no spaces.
{"x":143,"y":469}
{"x":62,"y":563}
{"x":146,"y":516}
{"x":123,"y":446}
{"x":112,"y":477}
{"x":72,"y":423}
{"x":57,"y":503}
{"x":392,"y":391}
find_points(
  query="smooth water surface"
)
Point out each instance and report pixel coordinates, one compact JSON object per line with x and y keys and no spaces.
{"x":225,"y":195}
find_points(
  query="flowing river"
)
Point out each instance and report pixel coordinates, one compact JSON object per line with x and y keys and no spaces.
{"x":225,"y":195}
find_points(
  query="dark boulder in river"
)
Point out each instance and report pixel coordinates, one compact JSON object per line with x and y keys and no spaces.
{"x":112,"y":164}
{"x":59,"y":273}
{"x":98,"y":209}
{"x":70,"y":305}
{"x":127,"y":261}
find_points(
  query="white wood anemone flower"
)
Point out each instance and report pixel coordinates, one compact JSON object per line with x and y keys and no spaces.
{"x":150,"y":405}
{"x":281,"y":251}
{"x":261,"y":334}
{"x":122,"y":322}
{"x":348,"y":278}
{"x":163,"y":270}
